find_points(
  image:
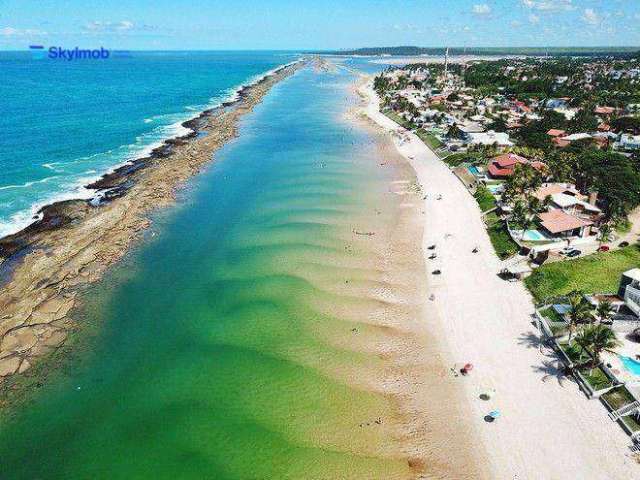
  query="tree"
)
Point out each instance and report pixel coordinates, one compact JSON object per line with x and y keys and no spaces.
{"x":604,"y":310}
{"x":605,"y":233}
{"x":455,"y":132}
{"x":579,"y":311}
{"x":584,"y":121}
{"x":524,"y":180}
{"x":597,"y":339}
{"x":626,"y":124}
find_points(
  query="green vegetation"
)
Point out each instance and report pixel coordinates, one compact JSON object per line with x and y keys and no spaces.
{"x":457,"y":159}
{"x":484,"y":198}
{"x":599,"y":272}
{"x":502,"y":242}
{"x":575,"y":352}
{"x":429,"y":139}
{"x":551,"y":315}
{"x":398,"y":119}
{"x":596,"y":378}
{"x":618,"y":397}
{"x":631,"y":422}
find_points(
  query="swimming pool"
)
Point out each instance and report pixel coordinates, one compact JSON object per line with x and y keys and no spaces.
{"x":533,"y":236}
{"x":630,"y":364}
{"x":473,"y":170}
{"x":495,"y":188}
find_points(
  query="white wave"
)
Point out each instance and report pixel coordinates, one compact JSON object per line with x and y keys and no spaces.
{"x":143,"y":147}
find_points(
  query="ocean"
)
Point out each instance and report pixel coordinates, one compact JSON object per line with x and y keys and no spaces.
{"x":235,"y":342}
{"x":65,"y":123}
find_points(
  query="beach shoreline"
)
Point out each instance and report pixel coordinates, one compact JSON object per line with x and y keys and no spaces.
{"x":45,"y":265}
{"x":548,"y":429}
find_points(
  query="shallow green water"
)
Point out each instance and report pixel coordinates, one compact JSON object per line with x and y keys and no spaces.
{"x":213,"y":361}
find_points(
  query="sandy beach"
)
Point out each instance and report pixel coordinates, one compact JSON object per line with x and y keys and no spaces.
{"x":45,"y":266}
{"x":548,"y":428}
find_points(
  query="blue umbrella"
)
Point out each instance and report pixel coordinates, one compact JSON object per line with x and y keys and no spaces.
{"x":494,"y":414}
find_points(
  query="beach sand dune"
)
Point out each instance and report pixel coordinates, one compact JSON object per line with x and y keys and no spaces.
{"x":548,"y":429}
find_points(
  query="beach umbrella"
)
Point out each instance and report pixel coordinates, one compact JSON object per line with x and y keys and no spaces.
{"x":468,"y":367}
{"x":494,"y":414}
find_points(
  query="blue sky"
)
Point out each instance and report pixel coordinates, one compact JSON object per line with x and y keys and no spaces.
{"x":312,"y":24}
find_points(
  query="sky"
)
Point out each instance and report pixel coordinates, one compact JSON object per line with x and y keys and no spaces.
{"x":316,"y":24}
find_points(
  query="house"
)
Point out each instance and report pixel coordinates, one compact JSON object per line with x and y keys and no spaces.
{"x":555,"y":133}
{"x":576,"y":206}
{"x":569,"y":214}
{"x":557,"y":223}
{"x":629,"y":290}
{"x":604,"y":111}
{"x":499,"y":139}
{"x":629,"y":142}
{"x":549,"y":189}
{"x":560,"y":142}
{"x":504,"y":165}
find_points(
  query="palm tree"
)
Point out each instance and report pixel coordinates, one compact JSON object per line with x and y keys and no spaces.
{"x":579,"y":311}
{"x":604,"y":310}
{"x":597,"y":339}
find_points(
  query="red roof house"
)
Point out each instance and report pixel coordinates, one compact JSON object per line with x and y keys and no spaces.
{"x":604,"y":110}
{"x":556,"y":133}
{"x":504,"y":165}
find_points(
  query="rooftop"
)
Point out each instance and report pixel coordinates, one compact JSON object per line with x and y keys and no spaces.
{"x":557,"y":221}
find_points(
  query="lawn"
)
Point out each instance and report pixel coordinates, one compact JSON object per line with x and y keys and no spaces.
{"x":429,"y":139}
{"x":398,"y":119}
{"x":550,"y":314}
{"x":484,"y":198}
{"x":631,"y":422}
{"x":596,"y":378}
{"x":618,"y":397}
{"x":500,"y":238}
{"x":575,"y":352}
{"x":596,"y":273}
{"x":457,"y":159}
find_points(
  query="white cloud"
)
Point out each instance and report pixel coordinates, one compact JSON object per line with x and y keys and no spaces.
{"x":481,"y":9}
{"x":18,"y":32}
{"x":534,"y":19}
{"x":549,"y":5}
{"x":98,"y":26}
{"x":590,"y":16}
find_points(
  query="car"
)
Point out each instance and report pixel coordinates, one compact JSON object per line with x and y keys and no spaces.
{"x":603,"y":248}
{"x":573,"y":253}
{"x":623,"y":244}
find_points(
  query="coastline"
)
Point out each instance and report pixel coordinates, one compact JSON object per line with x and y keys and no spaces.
{"x":478,"y":318}
{"x":75,"y":241}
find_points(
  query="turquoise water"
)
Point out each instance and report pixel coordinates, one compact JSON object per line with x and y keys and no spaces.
{"x":630,"y":364}
{"x":222,"y":354}
{"x":65,"y":123}
{"x":474,"y":171}
{"x":533,"y":236}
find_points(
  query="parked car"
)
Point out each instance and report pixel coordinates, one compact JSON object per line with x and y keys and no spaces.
{"x":603,"y":248}
{"x":624,"y":244}
{"x":573,"y":253}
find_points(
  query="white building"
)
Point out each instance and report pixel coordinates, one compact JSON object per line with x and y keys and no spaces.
{"x":500,"y":139}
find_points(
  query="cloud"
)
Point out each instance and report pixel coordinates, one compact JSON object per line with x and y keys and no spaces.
{"x":534,"y":19}
{"x":108,"y":27}
{"x":590,"y":16}
{"x":18,"y":32}
{"x":549,"y":5}
{"x":481,"y":9}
